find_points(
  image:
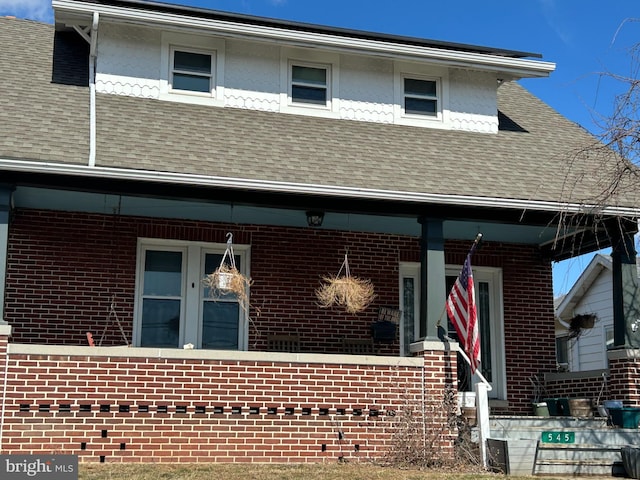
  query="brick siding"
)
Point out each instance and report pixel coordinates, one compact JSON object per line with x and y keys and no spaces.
{"x":125,"y":408}
{"x":63,"y":269}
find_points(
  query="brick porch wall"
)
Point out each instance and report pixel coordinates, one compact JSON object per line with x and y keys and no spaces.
{"x":578,"y":385}
{"x":119,"y":404}
{"x":64,"y":267}
{"x":624,"y":368}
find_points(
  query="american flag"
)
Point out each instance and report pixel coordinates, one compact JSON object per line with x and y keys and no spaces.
{"x":461,"y":308}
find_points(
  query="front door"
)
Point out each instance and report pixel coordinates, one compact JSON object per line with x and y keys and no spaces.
{"x":488,"y":286}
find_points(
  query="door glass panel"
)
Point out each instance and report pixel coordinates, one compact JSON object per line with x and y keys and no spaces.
{"x":160,"y":323}
{"x":220,"y":313}
{"x":163,"y":273}
{"x":162,"y":298}
{"x":409,"y":314}
{"x":484,"y":317}
{"x":220,"y":324}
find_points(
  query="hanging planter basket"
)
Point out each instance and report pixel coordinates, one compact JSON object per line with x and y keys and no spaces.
{"x":352,"y":293}
{"x":227,"y":279}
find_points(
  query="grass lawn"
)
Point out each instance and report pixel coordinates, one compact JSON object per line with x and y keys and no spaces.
{"x":318,"y":471}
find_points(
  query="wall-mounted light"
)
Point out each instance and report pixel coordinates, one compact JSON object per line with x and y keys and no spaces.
{"x":314,"y":218}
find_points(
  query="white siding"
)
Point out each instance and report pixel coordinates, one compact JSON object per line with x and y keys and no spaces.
{"x":131,"y":61}
{"x":366,"y":89}
{"x":128,"y":61}
{"x":252,"y":76}
{"x":589,"y":350}
{"x":473,"y":101}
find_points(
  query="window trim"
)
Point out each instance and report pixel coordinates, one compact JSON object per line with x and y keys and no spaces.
{"x":172,"y":71}
{"x":327,"y":85}
{"x":289,"y":57}
{"x":405,"y":70}
{"x":191,"y":304}
{"x":197,"y":44}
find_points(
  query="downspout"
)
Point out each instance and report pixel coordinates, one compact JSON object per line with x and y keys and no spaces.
{"x":93,"y":57}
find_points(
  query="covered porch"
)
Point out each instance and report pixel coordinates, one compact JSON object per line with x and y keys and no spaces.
{"x":76,"y":261}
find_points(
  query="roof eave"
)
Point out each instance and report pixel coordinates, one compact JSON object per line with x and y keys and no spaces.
{"x":74,"y":12}
{"x":310,"y":189}
{"x":579,"y":289}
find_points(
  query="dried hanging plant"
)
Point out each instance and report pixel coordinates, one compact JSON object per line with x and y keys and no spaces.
{"x":352,"y":293}
{"x":227,"y":279}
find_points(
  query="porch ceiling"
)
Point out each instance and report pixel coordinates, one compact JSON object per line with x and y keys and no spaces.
{"x":234,"y":206}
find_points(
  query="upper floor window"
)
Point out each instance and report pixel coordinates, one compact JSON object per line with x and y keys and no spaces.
{"x":310,"y":84}
{"x":192,"y":71}
{"x":420,"y":97}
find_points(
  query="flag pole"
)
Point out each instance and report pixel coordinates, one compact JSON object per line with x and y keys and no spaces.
{"x":476,"y":242}
{"x":461,"y":307}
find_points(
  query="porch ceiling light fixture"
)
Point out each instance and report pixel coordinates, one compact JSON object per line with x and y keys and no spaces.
{"x":314,"y":218}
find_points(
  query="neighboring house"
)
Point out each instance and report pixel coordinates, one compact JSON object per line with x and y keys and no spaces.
{"x":136,"y":135}
{"x":592,"y":295}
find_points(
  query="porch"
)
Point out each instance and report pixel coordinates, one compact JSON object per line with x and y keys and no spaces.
{"x":126,"y":404}
{"x":578,"y":437}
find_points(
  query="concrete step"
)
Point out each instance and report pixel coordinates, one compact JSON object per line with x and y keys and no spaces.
{"x":577,"y":459}
{"x":603,"y":458}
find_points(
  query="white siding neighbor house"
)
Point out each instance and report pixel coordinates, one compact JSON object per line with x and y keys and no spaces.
{"x":591,"y":295}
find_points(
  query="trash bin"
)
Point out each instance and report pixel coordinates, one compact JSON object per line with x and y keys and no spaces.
{"x":625,"y":417}
{"x":631,"y":460}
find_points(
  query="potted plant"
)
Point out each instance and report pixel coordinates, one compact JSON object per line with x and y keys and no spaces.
{"x":352,"y":293}
{"x":227,"y":279}
{"x":540,"y":408}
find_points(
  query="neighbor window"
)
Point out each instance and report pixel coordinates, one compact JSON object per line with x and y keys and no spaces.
{"x":174,"y":308}
{"x":562,"y":350}
{"x":309,"y":84}
{"x":609,"y":338}
{"x":192,"y":71}
{"x":420,"y":97}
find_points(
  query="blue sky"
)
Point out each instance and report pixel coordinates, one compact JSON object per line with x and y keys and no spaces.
{"x":585,"y":38}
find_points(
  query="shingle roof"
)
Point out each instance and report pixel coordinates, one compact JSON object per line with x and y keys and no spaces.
{"x":42,"y":120}
{"x":39,"y":119}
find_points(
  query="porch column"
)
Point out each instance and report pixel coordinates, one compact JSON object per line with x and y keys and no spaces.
{"x":432,"y":277}
{"x":5,"y":210}
{"x":626,"y":294}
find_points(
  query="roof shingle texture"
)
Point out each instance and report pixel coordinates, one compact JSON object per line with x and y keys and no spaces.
{"x":530,"y":160}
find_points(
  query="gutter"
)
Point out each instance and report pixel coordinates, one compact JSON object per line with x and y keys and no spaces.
{"x":307,"y":188}
{"x":517,"y":67}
